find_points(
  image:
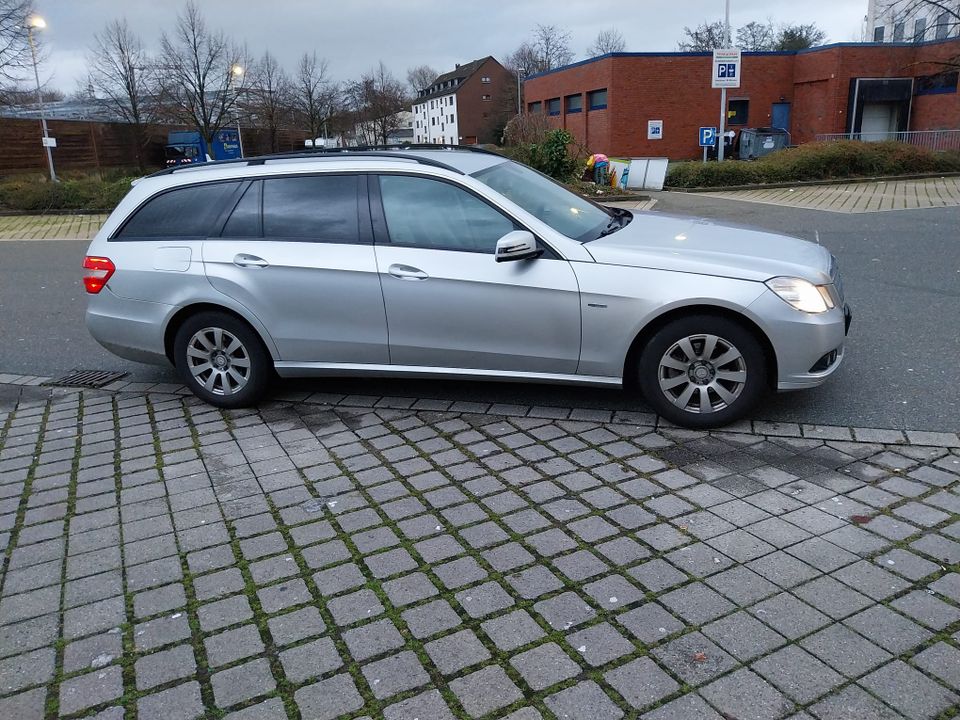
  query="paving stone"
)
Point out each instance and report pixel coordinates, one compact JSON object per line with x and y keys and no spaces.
{"x":94,"y":688}
{"x":328,"y":699}
{"x":798,"y":674}
{"x":95,"y":617}
{"x":271,"y":709}
{"x":534,"y":582}
{"x":873,"y":581}
{"x":218,"y":584}
{"x":25,"y":706}
{"x":21,"y":671}
{"x":341,"y":578}
{"x":485,"y":690}
{"x":613,"y":592}
{"x":390,"y":563}
{"x":484,"y":599}
{"x":233,"y":645}
{"x":165,"y":666}
{"x":821,"y":554}
{"x":740,"y":545}
{"x":460,"y":572}
{"x":741,"y":585}
{"x":242,"y":682}
{"x":941,"y":660}
{"x":927,"y":610}
{"x":163,"y":599}
{"x":743,"y":636}
{"x":310,"y":660}
{"x":907,"y":564}
{"x":845,"y":650}
{"x":641,"y":683}
{"x":580,"y":565}
{"x":853,"y":702}
{"x":161,"y":631}
{"x":429,"y":705}
{"x":694,"y":658}
{"x":297,"y":625}
{"x":744,"y":694}
{"x":512,"y":630}
{"x":455,"y":652}
{"x":684,"y":707}
{"x":600,"y":644}
{"x":181,"y":702}
{"x":909,"y":691}
{"x":564,"y":611}
{"x":544,"y":665}
{"x":833,"y":598}
{"x":789,"y":616}
{"x":430,"y":618}
{"x":583,"y":701}
{"x":409,"y":589}
{"x":696,"y":603}
{"x":888,"y":629}
{"x":507,"y":557}
{"x":357,"y":606}
{"x":91,"y":652}
{"x":372,"y":639}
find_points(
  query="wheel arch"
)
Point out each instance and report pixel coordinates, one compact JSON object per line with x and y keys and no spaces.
{"x":662,"y":320}
{"x":187,"y":311}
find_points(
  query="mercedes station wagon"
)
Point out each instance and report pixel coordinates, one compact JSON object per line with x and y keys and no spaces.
{"x":453,"y":262}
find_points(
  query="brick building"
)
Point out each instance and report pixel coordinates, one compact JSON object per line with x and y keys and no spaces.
{"x":869,"y":88}
{"x":464,"y":105}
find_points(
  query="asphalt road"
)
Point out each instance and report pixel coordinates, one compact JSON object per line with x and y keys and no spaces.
{"x":901,"y":272}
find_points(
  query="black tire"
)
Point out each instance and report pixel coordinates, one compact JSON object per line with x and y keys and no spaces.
{"x":728,"y":399}
{"x":257,"y":374}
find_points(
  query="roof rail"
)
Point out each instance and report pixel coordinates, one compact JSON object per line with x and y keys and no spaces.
{"x":374,"y":151}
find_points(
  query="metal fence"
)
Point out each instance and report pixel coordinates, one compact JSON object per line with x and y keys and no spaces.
{"x":929,"y":139}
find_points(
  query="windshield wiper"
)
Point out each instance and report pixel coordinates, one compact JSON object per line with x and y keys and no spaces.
{"x":611,"y":227}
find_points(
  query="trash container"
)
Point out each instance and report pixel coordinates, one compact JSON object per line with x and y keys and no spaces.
{"x":757,"y":142}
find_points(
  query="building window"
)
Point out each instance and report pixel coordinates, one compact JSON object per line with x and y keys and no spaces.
{"x":451,"y":118}
{"x":919,"y":29}
{"x":938,"y":84}
{"x":943,"y":26}
{"x":553,"y":106}
{"x":878,"y":33}
{"x":450,"y":100}
{"x":433,"y":121}
{"x":898,"y":32}
{"x":737,"y":112}
{"x":574,"y":103}
{"x":485,"y":80}
{"x":597,"y":99}
{"x":535,"y":107}
{"x":484,"y":97}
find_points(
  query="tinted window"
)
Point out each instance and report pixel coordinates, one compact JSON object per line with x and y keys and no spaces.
{"x":433,"y":214}
{"x":321,"y":208}
{"x":553,"y":106}
{"x":185,"y":212}
{"x":245,"y":219}
{"x":597,"y":99}
{"x":574,"y":103}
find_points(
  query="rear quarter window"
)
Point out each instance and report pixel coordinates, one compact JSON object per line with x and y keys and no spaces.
{"x":187,"y":212}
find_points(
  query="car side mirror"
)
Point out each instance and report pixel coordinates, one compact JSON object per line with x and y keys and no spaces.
{"x":517,"y":245}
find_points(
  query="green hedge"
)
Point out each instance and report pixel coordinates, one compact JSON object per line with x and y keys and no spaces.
{"x":39,"y":196}
{"x":816,"y":161}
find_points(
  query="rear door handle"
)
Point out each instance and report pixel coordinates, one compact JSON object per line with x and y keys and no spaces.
{"x":406,"y":272}
{"x":244,"y":260}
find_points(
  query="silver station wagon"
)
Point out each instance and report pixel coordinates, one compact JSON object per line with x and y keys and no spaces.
{"x":453,"y":262}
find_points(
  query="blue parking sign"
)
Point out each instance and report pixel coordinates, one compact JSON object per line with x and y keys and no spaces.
{"x":708,"y":136}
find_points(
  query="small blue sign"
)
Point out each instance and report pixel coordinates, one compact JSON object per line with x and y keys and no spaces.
{"x":727,"y":70}
{"x":708,"y":136}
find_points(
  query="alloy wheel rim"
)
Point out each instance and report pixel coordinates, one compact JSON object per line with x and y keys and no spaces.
{"x":218,"y":361}
{"x":702,"y":373}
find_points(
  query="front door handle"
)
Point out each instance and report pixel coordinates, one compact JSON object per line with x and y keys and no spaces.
{"x":406,"y":272}
{"x":244,"y":260}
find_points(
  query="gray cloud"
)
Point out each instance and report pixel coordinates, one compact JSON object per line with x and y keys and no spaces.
{"x":354,"y":34}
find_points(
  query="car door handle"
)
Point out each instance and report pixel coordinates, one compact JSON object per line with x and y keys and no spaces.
{"x":405,"y":272}
{"x":244,"y":260}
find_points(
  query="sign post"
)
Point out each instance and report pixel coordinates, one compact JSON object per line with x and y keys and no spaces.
{"x":726,"y":74}
{"x":708,"y":138}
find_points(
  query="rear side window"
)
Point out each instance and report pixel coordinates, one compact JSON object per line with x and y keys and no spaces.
{"x":187,"y":212}
{"x":316,"y":208}
{"x":245,"y":219}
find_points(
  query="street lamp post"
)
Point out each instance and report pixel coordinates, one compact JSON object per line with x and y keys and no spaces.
{"x":237,"y":71}
{"x":35,"y":21}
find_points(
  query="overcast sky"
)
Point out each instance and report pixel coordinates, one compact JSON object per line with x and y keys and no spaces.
{"x":354,"y":34}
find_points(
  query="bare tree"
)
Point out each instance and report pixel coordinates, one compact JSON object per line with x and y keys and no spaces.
{"x":198,"y":71}
{"x":704,"y":37}
{"x":756,"y":36}
{"x":607,"y":41}
{"x":121,"y":78}
{"x":552,"y":45}
{"x":268,"y":98}
{"x":798,"y":37}
{"x":376,"y":99}
{"x":14,"y":48}
{"x":315,"y":96}
{"x":421,"y":77}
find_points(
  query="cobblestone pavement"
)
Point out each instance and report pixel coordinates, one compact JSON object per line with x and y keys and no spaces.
{"x":859,"y":197}
{"x":392,"y":558}
{"x":50,"y":227}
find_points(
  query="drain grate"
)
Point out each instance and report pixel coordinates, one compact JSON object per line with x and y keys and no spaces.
{"x":86,"y":378}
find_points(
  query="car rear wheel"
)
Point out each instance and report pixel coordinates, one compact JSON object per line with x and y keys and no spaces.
{"x":222,"y":360}
{"x":703,"y":371}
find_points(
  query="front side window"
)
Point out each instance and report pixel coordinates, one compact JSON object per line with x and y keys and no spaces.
{"x":426,"y":213}
{"x":187,"y":212}
{"x":319,"y":208}
{"x":565,"y":212}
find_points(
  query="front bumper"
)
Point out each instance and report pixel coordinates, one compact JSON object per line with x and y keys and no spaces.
{"x":801,"y":341}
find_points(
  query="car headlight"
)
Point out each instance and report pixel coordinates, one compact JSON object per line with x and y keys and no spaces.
{"x":802,"y":294}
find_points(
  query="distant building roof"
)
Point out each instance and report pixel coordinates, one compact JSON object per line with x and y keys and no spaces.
{"x":64,"y":110}
{"x":450,"y":81}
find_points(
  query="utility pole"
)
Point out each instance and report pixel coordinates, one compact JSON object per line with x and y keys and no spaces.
{"x":723,"y":91}
{"x":35,"y":21}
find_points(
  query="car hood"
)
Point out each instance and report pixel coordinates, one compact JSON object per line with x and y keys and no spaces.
{"x":696,"y":245}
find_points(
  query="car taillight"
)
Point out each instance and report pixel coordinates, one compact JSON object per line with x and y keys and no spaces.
{"x":99,"y":270}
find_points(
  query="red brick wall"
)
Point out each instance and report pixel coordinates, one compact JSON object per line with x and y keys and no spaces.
{"x":477,"y":118}
{"x":675,"y":88}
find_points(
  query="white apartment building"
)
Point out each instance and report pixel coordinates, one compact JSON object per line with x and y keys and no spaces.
{"x":911,"y":20}
{"x":435,"y":120}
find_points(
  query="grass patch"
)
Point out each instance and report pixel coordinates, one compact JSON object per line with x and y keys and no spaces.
{"x":816,"y":161}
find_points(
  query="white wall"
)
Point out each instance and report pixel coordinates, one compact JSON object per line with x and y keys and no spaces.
{"x":887,"y":14}
{"x":435,"y":121}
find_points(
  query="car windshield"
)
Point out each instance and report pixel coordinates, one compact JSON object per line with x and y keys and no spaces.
{"x":565,"y":212}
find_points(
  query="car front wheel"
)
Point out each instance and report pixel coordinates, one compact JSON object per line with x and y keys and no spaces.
{"x":222,"y":360}
{"x":703,"y":371}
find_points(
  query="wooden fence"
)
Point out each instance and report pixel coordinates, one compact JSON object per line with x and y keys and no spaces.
{"x":93,"y":147}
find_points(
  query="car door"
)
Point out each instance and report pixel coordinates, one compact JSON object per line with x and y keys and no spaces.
{"x":449,"y":303}
{"x":305,"y":266}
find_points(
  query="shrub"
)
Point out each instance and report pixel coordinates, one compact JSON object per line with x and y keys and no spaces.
{"x":39,"y":196}
{"x":816,"y":161}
